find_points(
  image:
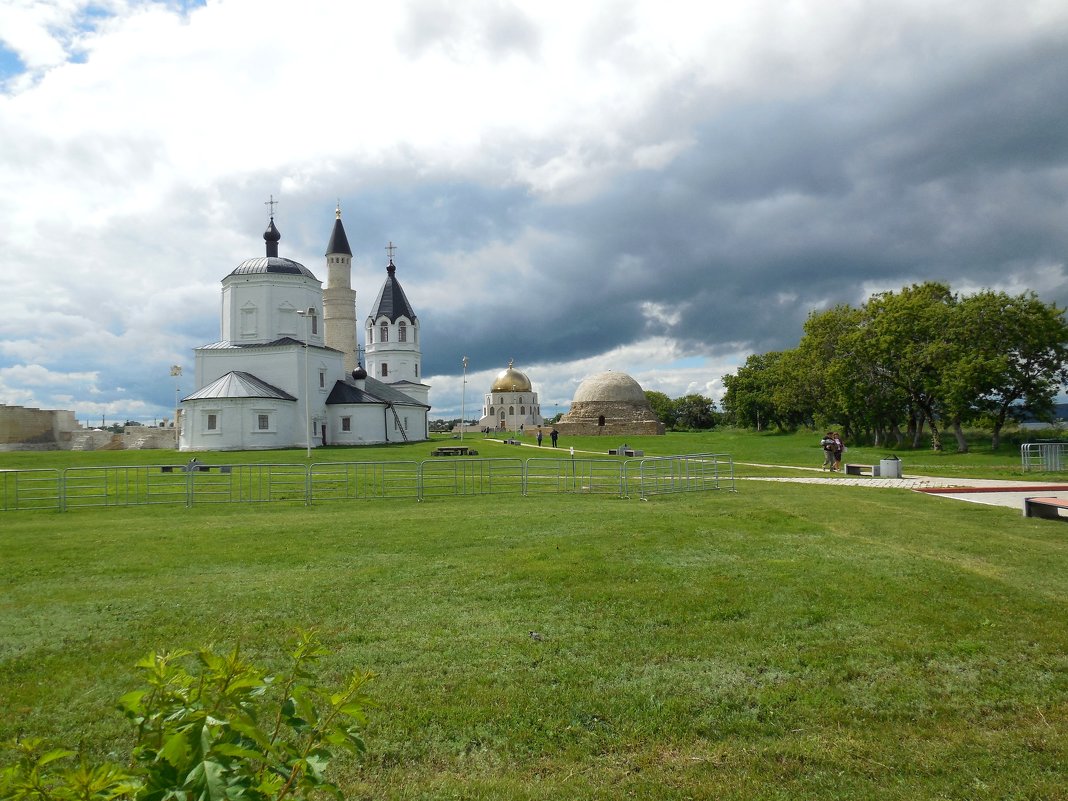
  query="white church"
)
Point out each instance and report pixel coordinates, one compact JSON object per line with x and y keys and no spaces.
{"x":286,"y":372}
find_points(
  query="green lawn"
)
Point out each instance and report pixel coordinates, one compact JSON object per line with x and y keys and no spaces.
{"x":783,"y":641}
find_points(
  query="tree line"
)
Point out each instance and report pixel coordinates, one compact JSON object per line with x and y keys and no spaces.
{"x":920,"y":359}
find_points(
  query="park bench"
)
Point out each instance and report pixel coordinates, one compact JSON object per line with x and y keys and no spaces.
{"x":453,"y":450}
{"x":1048,"y":508}
{"x":862,"y":470}
{"x":625,"y":452}
{"x":195,"y":468}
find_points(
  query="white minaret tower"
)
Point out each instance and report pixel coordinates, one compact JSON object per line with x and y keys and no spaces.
{"x":392,"y":337}
{"x":339,"y":298}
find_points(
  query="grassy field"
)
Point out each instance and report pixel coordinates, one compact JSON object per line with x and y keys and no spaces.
{"x":783,"y":641}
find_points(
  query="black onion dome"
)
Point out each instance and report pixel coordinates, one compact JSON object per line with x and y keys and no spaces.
{"x":359,"y":373}
{"x":271,"y":234}
{"x":277,"y":265}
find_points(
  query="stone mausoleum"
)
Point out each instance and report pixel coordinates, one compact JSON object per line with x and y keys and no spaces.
{"x":612,"y":404}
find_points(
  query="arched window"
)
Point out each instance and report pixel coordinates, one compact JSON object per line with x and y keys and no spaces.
{"x":522,"y":410}
{"x":370,"y":335}
{"x":491,"y":411}
{"x":511,"y":411}
{"x":402,"y":331}
{"x":383,"y":332}
{"x":502,"y":412}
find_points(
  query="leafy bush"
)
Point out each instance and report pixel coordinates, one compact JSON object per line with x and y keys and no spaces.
{"x":210,"y":726}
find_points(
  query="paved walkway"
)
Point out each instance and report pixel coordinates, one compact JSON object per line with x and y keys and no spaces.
{"x":993,"y":492}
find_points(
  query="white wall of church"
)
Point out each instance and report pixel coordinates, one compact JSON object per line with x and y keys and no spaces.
{"x":220,"y":424}
{"x":262,"y":308}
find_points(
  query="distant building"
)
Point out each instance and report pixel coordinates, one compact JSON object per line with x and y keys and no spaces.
{"x":612,"y":404}
{"x":286,"y":371}
{"x":511,"y":403}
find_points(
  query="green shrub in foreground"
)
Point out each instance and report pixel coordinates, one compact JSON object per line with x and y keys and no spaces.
{"x":223,"y":729}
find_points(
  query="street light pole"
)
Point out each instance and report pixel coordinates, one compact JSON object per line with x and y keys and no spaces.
{"x":307,"y":400}
{"x":463,"y":394}
{"x":176,"y":372}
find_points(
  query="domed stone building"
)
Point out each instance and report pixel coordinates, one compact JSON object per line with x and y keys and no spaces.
{"x":511,"y":403}
{"x":610,"y":403}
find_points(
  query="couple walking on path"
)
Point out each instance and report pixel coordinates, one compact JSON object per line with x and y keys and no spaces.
{"x":833,"y":448}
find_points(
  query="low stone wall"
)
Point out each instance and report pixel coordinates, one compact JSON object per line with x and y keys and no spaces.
{"x":611,"y":428}
{"x":24,"y":427}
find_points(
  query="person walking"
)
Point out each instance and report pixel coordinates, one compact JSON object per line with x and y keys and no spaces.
{"x":539,"y":436}
{"x":827,"y":443}
{"x":839,"y":449}
{"x":553,"y":435}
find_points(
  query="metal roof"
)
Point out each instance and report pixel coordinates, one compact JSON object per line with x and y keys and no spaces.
{"x":339,"y":243}
{"x":374,"y":391}
{"x":239,"y":384}
{"x":392,"y":302}
{"x":275,"y":343}
{"x":276,"y":265}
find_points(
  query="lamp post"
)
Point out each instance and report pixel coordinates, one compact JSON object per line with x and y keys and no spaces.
{"x":307,"y":400}
{"x":176,"y":373}
{"x":515,"y":413}
{"x":463,"y":394}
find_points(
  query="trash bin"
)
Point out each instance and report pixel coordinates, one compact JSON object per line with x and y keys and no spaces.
{"x":890,"y":468}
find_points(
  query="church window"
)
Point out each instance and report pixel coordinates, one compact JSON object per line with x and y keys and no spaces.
{"x":491,"y":411}
{"x":212,"y":422}
{"x":417,"y":369}
{"x":346,"y":424}
{"x":511,"y":411}
{"x":405,"y":423}
{"x":502,"y":412}
{"x":385,"y":369}
{"x":522,"y":410}
{"x":520,"y":398}
{"x":263,"y":422}
{"x":248,"y":321}
{"x":322,"y":379}
{"x":383,"y":332}
{"x":370,"y":335}
{"x":315,"y":324}
{"x":402,"y":331}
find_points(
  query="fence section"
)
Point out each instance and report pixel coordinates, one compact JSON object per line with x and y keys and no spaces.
{"x":349,"y":481}
{"x":1049,"y":457}
{"x":30,"y":489}
{"x":197,"y":483}
{"x":456,"y":476}
{"x":697,"y":472}
{"x":594,"y":476}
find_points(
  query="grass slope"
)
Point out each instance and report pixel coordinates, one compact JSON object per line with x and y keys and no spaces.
{"x":779,"y":642}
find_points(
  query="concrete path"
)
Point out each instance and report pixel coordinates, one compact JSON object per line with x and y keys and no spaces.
{"x":993,"y":492}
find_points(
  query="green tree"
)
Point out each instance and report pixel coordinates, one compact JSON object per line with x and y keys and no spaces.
{"x":695,"y":412}
{"x":663,"y":407}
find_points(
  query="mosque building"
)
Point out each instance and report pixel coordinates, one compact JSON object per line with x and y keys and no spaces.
{"x":511,"y":404}
{"x":610,"y":403}
{"x":286,"y":372}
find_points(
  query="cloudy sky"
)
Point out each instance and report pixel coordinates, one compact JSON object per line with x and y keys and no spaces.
{"x":655,"y":187}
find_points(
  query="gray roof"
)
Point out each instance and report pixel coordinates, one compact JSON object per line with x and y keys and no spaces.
{"x":275,"y":343}
{"x":239,"y":384}
{"x":392,"y":302}
{"x":339,"y":243}
{"x":374,"y":391}
{"x":277,"y":265}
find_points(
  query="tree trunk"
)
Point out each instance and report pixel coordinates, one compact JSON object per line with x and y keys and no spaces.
{"x":898,"y":436}
{"x":936,"y":435}
{"x":958,"y":432}
{"x":917,"y":430}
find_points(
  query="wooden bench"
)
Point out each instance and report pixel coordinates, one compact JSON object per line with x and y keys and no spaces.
{"x":861,"y":470}
{"x":451,"y":450}
{"x":1048,"y":508}
{"x":625,"y":452}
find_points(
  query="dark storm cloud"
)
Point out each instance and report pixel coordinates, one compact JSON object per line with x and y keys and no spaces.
{"x":786,"y":206}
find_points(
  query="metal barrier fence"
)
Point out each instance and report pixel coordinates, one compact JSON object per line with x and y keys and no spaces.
{"x":697,"y":472}
{"x":30,"y":489}
{"x":1047,"y":456}
{"x":593,"y":476}
{"x":353,"y":481}
{"x":119,"y":486}
{"x":457,"y":476}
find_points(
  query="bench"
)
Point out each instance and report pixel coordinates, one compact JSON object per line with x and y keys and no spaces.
{"x":862,"y":470}
{"x":451,"y":450}
{"x":625,"y":452}
{"x":195,"y":468}
{"x":1047,"y":508}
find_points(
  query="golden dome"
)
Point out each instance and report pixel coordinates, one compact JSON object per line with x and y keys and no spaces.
{"x":511,"y":380}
